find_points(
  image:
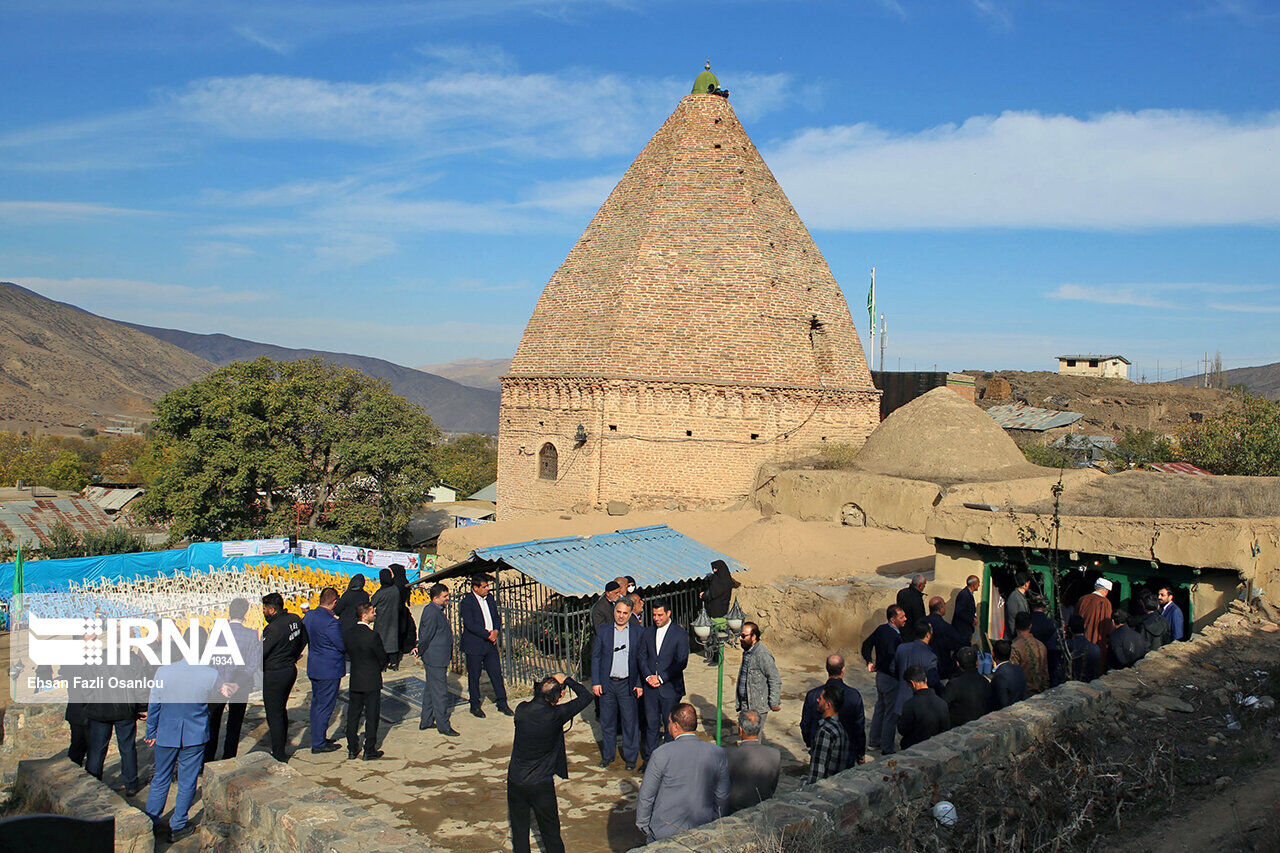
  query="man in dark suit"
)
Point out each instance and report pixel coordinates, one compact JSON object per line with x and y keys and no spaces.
{"x":753,"y":766}
{"x":915,"y":653}
{"x":911,"y":599}
{"x":364,"y":687}
{"x":878,"y":650}
{"x":667,"y":647}
{"x":686,"y":782}
{"x":965,"y":617}
{"x":326,"y":664}
{"x":537,"y":757}
{"x":1126,"y":646}
{"x":968,"y":695}
{"x":852,"y":714}
{"x":240,"y":679}
{"x":1085,"y":657}
{"x":435,"y":648}
{"x":177,"y":729}
{"x":1008,"y":681}
{"x":946,"y":639}
{"x":481,"y":623}
{"x":617,"y":663}
{"x":925,"y":713}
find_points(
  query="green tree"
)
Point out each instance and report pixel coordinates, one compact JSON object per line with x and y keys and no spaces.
{"x":62,"y":541}
{"x":1244,"y":439}
{"x":267,"y":447}
{"x":469,"y":463}
{"x":65,"y":471}
{"x":1141,"y":447}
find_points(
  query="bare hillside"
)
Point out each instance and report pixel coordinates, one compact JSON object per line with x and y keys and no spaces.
{"x":59,"y":365}
{"x":476,"y":372}
{"x":1108,"y":405}
{"x":1263,"y":380}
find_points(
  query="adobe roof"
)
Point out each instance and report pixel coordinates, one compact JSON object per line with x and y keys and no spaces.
{"x":696,"y":269}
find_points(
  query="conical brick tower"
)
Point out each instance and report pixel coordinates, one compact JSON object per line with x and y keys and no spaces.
{"x":693,"y":333}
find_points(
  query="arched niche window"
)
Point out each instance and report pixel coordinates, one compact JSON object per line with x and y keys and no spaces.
{"x":548,"y":462}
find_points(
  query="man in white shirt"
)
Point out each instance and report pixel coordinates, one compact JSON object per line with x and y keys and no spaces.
{"x":667,"y":645}
{"x":481,"y":624}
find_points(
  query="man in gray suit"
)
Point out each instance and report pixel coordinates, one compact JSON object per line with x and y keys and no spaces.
{"x":435,"y":647}
{"x":759,"y":684}
{"x":686,"y":781}
{"x":753,"y":767}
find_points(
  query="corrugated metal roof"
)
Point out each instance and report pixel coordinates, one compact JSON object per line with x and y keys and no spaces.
{"x":582,"y":565}
{"x":488,"y":493}
{"x":1081,"y":442}
{"x":111,"y":500}
{"x":1179,"y":468}
{"x":29,"y":522}
{"x":1018,"y":416}
{"x":1092,"y":358}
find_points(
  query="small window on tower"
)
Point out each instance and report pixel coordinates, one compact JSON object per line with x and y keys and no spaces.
{"x":613,"y":427}
{"x":754,"y":436}
{"x":688,"y":432}
{"x":548,"y":462}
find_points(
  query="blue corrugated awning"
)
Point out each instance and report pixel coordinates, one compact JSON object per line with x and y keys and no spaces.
{"x":582,"y":565}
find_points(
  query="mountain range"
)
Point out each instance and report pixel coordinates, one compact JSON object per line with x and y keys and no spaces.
{"x":61,"y":366}
{"x":476,"y":372}
{"x":1263,"y":380}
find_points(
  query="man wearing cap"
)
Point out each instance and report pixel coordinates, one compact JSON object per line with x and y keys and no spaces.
{"x":1095,"y":609}
{"x":602,"y":610}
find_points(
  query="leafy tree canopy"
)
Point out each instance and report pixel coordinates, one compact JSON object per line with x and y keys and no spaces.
{"x":1141,"y":447}
{"x":469,"y":463}
{"x":266,"y":447}
{"x":1243,"y":440}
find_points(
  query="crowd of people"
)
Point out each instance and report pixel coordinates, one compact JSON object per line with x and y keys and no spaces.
{"x":930,"y":675}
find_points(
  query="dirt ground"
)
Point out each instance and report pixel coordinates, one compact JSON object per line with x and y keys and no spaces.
{"x":775,"y":548}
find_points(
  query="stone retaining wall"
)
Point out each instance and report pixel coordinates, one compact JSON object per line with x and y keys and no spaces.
{"x":254,"y":803}
{"x":860,"y":795}
{"x":56,"y":786}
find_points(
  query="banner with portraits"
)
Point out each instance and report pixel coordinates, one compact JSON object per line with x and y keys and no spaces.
{"x":256,"y":547}
{"x":371,"y":557}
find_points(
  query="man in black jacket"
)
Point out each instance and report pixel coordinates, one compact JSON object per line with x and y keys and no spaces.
{"x":968,"y":695}
{"x":102,"y":718}
{"x":965,"y":617}
{"x":1156,"y":630}
{"x":925,"y":713}
{"x":1008,"y":682}
{"x":946,"y":639}
{"x":364,"y":688}
{"x":878,"y":651}
{"x":911,"y":599}
{"x":537,"y":757}
{"x":852,"y":715}
{"x":1126,"y":646}
{"x":283,"y":640}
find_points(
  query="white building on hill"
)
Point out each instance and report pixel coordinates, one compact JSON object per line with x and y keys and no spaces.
{"x":1105,"y":366}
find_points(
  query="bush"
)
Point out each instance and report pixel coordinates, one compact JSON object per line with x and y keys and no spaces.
{"x":1243,"y":440}
{"x":836,"y":456}
{"x":1050,"y":457}
{"x":1141,"y":447}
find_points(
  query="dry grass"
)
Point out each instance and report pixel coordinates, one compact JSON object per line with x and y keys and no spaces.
{"x":1146,"y":494}
{"x":836,"y":456}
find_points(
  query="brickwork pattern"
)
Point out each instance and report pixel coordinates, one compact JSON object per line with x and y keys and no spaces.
{"x":650,"y":444}
{"x":695,"y":331}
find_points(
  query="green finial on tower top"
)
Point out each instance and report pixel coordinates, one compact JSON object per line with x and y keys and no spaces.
{"x":706,"y":83}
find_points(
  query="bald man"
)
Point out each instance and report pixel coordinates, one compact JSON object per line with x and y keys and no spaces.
{"x":852,"y":715}
{"x":965,"y":617}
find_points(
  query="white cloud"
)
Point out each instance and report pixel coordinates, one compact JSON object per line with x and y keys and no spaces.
{"x":108,"y":294}
{"x":1245,"y":308}
{"x":30,"y":212}
{"x":1105,"y":294}
{"x":1119,"y":170}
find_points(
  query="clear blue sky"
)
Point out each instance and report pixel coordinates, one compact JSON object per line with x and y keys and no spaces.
{"x":400,"y":179}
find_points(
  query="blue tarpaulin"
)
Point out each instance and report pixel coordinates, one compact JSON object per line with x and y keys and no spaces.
{"x":56,"y":575}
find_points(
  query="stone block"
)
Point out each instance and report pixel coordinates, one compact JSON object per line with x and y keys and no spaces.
{"x":56,"y":786}
{"x":618,"y":508}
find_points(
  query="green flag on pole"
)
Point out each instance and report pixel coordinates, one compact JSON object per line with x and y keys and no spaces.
{"x":15,"y":606}
{"x":871,"y":303}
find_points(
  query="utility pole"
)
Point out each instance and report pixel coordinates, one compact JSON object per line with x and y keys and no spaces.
{"x":883,"y":335}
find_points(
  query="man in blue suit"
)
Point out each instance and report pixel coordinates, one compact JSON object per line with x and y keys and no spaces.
{"x":435,"y":649}
{"x":326,"y":664}
{"x":667,"y":646}
{"x":618,"y":662}
{"x":915,"y":653}
{"x":178,"y":728}
{"x":481,"y":623}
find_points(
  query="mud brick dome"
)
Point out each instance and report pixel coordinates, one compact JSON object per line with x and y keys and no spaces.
{"x":693,"y":333}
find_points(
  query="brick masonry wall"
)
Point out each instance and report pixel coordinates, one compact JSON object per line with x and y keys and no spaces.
{"x":56,"y":786}
{"x":656,"y":443}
